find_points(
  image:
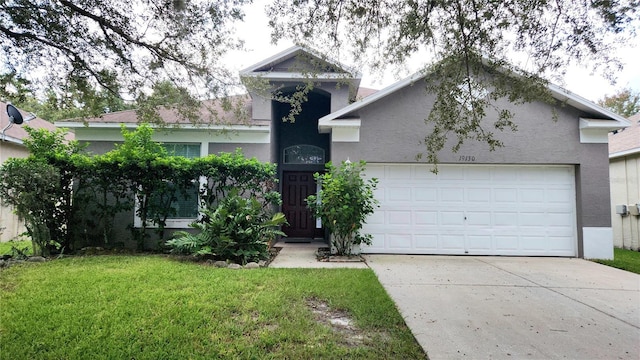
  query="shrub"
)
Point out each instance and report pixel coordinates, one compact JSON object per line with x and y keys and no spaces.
{"x":33,"y":189}
{"x":239,"y":229}
{"x":84,"y":194}
{"x":343,"y":204}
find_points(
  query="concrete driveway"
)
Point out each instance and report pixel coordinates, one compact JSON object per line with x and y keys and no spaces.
{"x":514,"y":308}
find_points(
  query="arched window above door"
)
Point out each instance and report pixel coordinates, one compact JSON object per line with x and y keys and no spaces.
{"x":303,"y":154}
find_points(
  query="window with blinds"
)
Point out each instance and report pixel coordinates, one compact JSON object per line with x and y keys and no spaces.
{"x":186,"y":202}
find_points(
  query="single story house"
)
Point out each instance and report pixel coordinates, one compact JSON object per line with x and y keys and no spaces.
{"x":545,"y":193}
{"x":624,"y":170}
{"x":12,"y":146}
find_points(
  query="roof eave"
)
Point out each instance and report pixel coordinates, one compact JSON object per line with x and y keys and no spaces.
{"x":80,"y":125}
{"x":581,"y":103}
{"x":624,"y":153}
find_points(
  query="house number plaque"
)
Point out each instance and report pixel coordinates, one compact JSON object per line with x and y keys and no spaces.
{"x":467,"y":158}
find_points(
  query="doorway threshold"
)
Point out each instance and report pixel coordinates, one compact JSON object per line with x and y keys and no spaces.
{"x":300,"y":240}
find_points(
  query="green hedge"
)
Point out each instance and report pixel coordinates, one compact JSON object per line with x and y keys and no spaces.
{"x":94,"y":189}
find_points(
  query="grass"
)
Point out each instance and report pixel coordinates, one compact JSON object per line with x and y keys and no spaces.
{"x":152,"y":307}
{"x":5,"y":247}
{"x":624,"y":259}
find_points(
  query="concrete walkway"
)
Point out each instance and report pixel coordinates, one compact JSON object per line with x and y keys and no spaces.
{"x":303,"y":255}
{"x":504,"y":307}
{"x":514,"y":308}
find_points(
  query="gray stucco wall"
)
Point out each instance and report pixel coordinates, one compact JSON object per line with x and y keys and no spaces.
{"x":393,"y":128}
{"x":262,"y":107}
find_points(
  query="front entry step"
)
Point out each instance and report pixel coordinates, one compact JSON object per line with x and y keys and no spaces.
{"x":300,"y":240}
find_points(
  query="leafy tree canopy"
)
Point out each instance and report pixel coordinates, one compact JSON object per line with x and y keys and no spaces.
{"x":77,"y":100}
{"x":472,"y":45}
{"x":625,"y":102}
{"x":98,"y":49}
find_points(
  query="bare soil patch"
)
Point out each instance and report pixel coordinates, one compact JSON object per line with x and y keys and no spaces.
{"x":339,"y":321}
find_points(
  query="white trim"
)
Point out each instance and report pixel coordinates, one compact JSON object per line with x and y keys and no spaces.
{"x":624,"y":153}
{"x":343,"y":130}
{"x":282,"y":75}
{"x":349,"y":123}
{"x":345,"y":134}
{"x":98,"y":125}
{"x":596,"y":131}
{"x":597,"y":243}
{"x":169,"y":223}
{"x":204,"y":149}
{"x":581,"y":103}
{"x":257,"y":136}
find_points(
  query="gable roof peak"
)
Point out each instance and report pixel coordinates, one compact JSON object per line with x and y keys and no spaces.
{"x":556,"y":91}
{"x":269,"y":65}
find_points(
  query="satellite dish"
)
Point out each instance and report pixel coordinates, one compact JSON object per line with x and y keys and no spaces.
{"x":14,"y":115}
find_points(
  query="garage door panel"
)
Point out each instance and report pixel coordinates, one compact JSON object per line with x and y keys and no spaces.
{"x":479,"y":243}
{"x":399,"y":217}
{"x":429,"y":195}
{"x":426,"y":242}
{"x":559,"y":219}
{"x":399,"y":240}
{"x":559,"y":243}
{"x":504,"y":174}
{"x":452,"y":218}
{"x":398,"y":194}
{"x":451,"y":174}
{"x":424,"y":173}
{"x":506,"y":219}
{"x":531,"y":195}
{"x":425,"y":217}
{"x":560,"y":195}
{"x":534,"y":242}
{"x":477,"y":174}
{"x":478,"y":195}
{"x":478,"y":218}
{"x":398,"y":172}
{"x":453,"y":242}
{"x":377,"y":218}
{"x":532,"y":219}
{"x":505,"y":197}
{"x":377,"y":242}
{"x":449,"y":196}
{"x":501,"y":210}
{"x":506,"y":242}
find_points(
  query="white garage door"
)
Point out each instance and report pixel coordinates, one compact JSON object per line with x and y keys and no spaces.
{"x":474,"y":209}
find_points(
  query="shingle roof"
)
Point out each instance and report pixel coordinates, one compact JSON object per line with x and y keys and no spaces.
{"x":211,"y":110}
{"x":626,"y":140}
{"x":235,"y":110}
{"x":17,"y":133}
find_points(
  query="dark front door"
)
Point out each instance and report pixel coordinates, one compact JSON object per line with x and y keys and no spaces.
{"x":296,"y":186}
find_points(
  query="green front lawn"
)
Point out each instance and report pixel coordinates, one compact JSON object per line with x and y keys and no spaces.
{"x":152,"y":307}
{"x":5,"y":247}
{"x":624,"y":259}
